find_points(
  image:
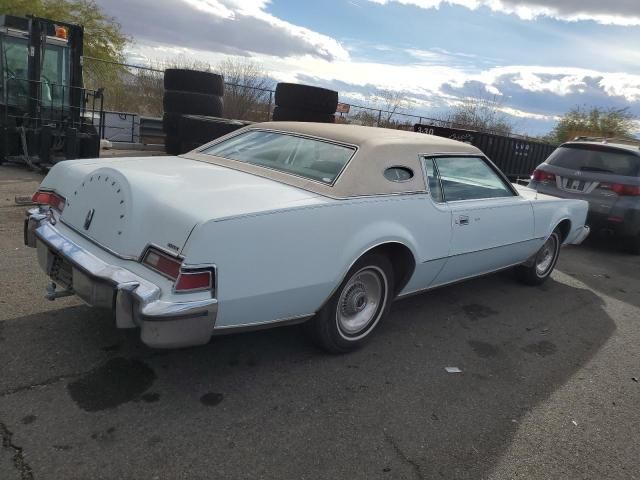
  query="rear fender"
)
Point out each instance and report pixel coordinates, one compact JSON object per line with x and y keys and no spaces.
{"x":549,"y":214}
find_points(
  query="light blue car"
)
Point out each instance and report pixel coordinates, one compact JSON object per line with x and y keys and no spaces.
{"x":282,"y":223}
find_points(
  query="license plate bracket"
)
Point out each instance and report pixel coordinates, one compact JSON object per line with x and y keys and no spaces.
{"x":60,"y":270}
{"x":574,"y":185}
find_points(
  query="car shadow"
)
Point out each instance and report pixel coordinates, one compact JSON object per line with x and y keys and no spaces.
{"x":271,"y":406}
{"x":604,"y":266}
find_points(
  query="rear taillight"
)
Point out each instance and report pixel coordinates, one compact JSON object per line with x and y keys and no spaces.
{"x":621,"y":189}
{"x":626,"y":190}
{"x":196,"y":280}
{"x":542,"y":176}
{"x":43,"y":197}
{"x":162,"y":263}
{"x":171,"y":267}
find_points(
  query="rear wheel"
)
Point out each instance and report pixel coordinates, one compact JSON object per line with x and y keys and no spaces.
{"x":347,"y":320}
{"x":539,"y":268}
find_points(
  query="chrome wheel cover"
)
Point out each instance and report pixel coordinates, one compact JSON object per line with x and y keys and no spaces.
{"x":361,"y":302}
{"x":546,"y":256}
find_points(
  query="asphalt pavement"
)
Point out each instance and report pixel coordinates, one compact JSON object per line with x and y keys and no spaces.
{"x":548,"y":389}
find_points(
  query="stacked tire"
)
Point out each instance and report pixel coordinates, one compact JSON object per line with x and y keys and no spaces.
{"x":196,"y":130}
{"x":188,"y":92}
{"x":304,"y":103}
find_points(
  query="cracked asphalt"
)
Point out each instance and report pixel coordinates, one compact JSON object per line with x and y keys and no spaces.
{"x":547,"y":387}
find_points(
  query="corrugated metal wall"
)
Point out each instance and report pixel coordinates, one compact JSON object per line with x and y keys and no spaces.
{"x":515,"y":157}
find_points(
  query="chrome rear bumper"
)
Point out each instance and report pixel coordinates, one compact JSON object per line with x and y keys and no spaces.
{"x":581,"y":235}
{"x":136,"y":301}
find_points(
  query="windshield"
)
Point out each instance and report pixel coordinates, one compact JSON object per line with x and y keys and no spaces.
{"x":305,"y":157}
{"x":596,"y":158}
{"x":54,"y":76}
{"x":15,"y":67}
{"x":55,"y":81}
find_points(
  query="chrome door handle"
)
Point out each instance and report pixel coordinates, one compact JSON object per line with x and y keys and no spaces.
{"x":463,"y":220}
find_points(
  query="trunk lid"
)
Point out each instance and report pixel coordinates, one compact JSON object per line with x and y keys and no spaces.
{"x":125,"y":205}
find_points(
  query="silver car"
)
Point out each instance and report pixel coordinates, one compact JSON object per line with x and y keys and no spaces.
{"x":604,"y":173}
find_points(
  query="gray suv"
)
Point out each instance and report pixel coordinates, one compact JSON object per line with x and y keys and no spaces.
{"x":604,"y":173}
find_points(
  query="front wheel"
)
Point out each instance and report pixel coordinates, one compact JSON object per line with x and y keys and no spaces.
{"x":539,"y":268}
{"x":346,"y":321}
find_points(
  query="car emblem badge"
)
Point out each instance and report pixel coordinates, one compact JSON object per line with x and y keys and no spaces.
{"x":89,"y":218}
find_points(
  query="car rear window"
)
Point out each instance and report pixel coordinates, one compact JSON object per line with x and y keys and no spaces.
{"x":596,"y":158}
{"x":306,"y":157}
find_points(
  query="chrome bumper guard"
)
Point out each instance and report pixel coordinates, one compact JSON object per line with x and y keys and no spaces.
{"x":136,"y":301}
{"x":581,"y":235}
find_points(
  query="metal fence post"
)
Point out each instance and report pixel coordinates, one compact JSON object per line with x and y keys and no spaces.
{"x":379,"y":117}
{"x":270,"y":100}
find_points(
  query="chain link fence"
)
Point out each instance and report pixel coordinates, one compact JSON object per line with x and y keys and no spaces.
{"x":376,"y":117}
{"x":133,"y":90}
{"x":137,"y":89}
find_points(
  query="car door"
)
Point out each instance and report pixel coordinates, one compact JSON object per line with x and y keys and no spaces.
{"x":492,"y":226}
{"x":435,"y":233}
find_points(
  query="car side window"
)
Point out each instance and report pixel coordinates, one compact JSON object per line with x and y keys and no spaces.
{"x":433,"y":181}
{"x":470,"y":178}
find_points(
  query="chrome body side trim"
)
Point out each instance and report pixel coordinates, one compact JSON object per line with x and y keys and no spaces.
{"x":453,"y":282}
{"x":249,"y":327}
{"x":485,"y":250}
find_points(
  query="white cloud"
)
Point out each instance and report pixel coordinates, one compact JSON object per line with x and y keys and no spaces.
{"x":622,"y":84}
{"x":611,"y":12}
{"x":562,"y":81}
{"x":327,"y":47}
{"x":516,"y":112}
{"x":562,"y":86}
{"x":491,"y":89}
{"x":240,"y":27}
{"x":211,"y":7}
{"x":431,"y":85}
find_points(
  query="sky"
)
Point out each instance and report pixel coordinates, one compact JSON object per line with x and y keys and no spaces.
{"x":537,"y":58}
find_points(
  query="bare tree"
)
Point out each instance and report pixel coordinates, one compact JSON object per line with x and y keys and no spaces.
{"x":367,"y":117}
{"x":386,"y":104}
{"x":247,"y":91}
{"x":392,"y":102}
{"x":482,"y":113}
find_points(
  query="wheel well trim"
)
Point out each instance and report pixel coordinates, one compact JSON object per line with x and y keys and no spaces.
{"x":560,"y":222}
{"x":358,"y":257}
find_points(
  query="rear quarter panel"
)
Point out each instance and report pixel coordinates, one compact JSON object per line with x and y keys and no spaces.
{"x":284,"y":264}
{"x":549,"y":212}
